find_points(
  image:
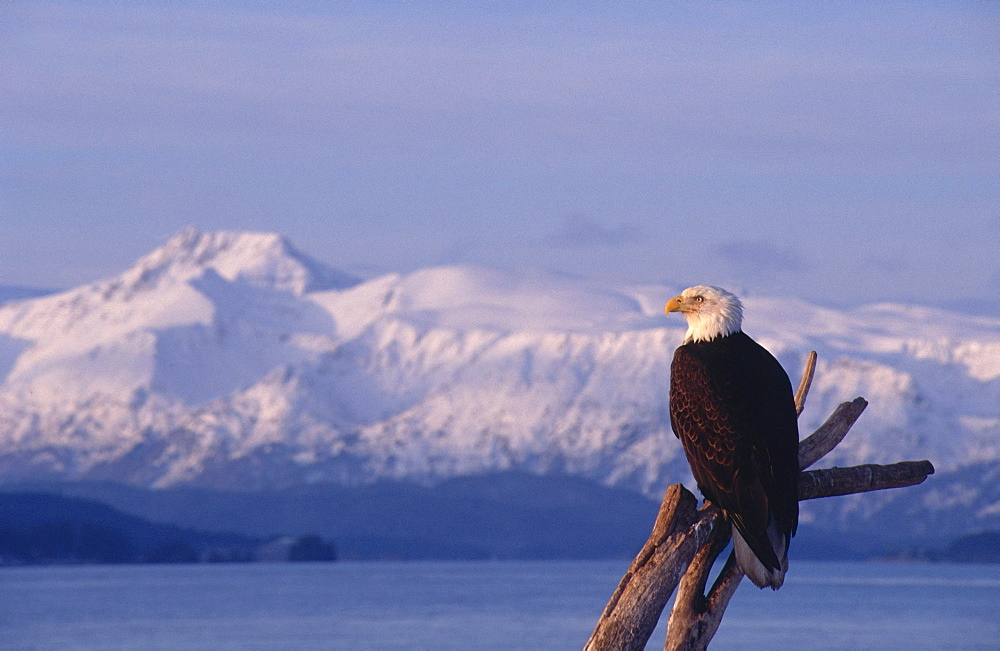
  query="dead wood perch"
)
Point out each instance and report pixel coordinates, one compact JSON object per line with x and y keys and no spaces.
{"x":686,"y":540}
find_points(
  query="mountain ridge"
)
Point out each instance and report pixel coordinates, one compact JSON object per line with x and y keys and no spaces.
{"x":231,"y":360}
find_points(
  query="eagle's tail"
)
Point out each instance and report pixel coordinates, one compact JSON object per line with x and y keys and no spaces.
{"x":752,"y":566}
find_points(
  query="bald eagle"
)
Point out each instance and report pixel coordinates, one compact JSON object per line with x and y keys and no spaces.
{"x":732,"y":407}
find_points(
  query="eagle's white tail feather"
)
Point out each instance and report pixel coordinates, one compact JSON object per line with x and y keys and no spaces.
{"x":753,"y":568}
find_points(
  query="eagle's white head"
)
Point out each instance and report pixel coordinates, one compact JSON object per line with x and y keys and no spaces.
{"x":710,"y":312}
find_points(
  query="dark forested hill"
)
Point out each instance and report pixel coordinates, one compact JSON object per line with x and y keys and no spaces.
{"x":40,"y":528}
{"x":500,"y":515}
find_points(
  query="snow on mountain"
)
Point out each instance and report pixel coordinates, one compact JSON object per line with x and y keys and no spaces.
{"x":231,"y":359}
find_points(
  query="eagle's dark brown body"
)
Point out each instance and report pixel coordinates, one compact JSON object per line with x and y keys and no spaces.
{"x":732,"y":407}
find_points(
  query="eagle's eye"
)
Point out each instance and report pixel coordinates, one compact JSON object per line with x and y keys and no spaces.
{"x":698,"y":299}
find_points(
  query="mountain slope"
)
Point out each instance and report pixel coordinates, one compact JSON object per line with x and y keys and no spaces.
{"x":232,"y":360}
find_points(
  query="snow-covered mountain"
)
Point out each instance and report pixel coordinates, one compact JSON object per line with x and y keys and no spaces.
{"x":233,"y":360}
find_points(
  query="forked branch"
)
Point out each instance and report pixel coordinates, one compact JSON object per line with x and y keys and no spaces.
{"x":686,"y":541}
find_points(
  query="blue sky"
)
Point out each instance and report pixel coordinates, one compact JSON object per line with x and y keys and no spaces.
{"x":843,"y":153}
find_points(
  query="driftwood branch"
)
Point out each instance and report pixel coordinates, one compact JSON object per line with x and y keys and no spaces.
{"x":861,"y":479}
{"x":805,"y":383}
{"x":653,"y":575}
{"x":829,"y":435}
{"x":685,"y":542}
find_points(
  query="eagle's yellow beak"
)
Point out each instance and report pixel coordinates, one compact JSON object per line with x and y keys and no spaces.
{"x":676,"y":304}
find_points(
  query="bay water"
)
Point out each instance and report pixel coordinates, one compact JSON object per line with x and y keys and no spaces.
{"x":474,"y":605}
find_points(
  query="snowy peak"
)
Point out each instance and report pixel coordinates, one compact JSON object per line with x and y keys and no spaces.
{"x":261,"y":259}
{"x":201,"y":316}
{"x":166,"y":287}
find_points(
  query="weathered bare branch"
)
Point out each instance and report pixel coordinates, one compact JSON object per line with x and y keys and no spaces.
{"x":861,"y":479}
{"x":682,"y":549}
{"x":685,"y":543}
{"x":635,"y":607}
{"x":807,"y":377}
{"x":693,"y":618}
{"x":829,"y":435}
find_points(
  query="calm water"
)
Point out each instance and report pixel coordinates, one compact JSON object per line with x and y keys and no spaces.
{"x":453,"y":605}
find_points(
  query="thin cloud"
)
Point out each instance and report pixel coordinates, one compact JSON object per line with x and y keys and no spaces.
{"x":581,"y":232}
{"x":761,"y":259}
